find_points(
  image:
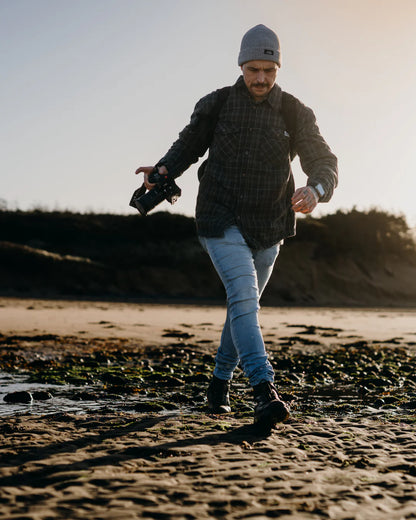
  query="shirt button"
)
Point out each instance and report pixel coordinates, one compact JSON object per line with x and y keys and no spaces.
{"x":245,"y":153}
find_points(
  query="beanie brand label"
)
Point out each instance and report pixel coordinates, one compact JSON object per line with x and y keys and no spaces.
{"x":269,"y":52}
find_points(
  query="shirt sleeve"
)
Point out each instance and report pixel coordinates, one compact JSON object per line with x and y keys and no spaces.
{"x":193,"y":140}
{"x":316,"y":157}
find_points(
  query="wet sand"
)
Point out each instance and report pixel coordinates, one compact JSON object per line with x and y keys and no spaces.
{"x":109,"y":464}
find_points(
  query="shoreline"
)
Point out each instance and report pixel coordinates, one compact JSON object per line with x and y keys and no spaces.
{"x":198,"y":302}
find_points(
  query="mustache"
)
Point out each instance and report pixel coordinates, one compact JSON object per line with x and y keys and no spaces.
{"x":260,"y":84}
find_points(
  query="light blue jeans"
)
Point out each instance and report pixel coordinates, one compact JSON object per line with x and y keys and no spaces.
{"x":244,"y":273}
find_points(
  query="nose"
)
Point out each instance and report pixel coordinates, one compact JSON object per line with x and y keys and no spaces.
{"x":261,"y":76}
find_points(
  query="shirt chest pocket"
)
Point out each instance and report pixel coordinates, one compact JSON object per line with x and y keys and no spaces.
{"x":274,"y":147}
{"x":225,"y":143}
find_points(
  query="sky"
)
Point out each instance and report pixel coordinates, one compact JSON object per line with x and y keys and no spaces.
{"x":92,"y":89}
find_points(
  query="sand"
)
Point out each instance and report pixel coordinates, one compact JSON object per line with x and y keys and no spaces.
{"x":144,"y":322}
{"x":115,"y":465}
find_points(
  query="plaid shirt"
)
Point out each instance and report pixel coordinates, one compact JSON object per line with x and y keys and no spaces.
{"x":248,"y":180}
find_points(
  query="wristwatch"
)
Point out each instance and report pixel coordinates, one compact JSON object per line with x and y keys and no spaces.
{"x":319,"y":189}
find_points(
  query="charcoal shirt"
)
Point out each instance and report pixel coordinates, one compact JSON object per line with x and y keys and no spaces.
{"x":248,"y":179}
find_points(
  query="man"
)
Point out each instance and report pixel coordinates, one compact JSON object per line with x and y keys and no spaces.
{"x":247,"y":202}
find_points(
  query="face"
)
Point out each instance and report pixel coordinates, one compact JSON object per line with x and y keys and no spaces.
{"x":259,"y":77}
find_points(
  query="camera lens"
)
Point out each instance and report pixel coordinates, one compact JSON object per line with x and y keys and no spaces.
{"x":149,"y":200}
{"x":140,"y":207}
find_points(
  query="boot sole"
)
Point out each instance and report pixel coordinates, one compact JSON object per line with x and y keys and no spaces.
{"x":219,"y":410}
{"x":275,"y":412}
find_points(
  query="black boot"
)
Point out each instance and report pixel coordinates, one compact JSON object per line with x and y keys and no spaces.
{"x":218,"y":396}
{"x":269,"y":409}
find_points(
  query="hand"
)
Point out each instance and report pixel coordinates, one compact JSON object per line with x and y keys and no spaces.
{"x":147,"y":170}
{"x":305,"y":200}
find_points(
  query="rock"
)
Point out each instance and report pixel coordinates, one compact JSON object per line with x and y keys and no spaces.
{"x":180,"y":398}
{"x":41,"y":395}
{"x":410,"y":405}
{"x":85,"y":396}
{"x":148,"y":407}
{"x":378,"y":403}
{"x":197,"y":378}
{"x":18,"y":397}
{"x":377,"y":382}
{"x":170,"y":381}
{"x":114,"y":379}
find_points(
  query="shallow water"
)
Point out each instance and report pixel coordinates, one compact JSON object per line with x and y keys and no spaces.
{"x":326,"y":402}
{"x":59,"y":403}
{"x":63,"y":400}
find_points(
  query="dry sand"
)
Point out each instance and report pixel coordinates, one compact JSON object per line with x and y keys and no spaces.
{"x":145,"y":322}
{"x":114,"y":465}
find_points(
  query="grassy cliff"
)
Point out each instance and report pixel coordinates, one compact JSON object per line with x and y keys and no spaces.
{"x":347,"y":258}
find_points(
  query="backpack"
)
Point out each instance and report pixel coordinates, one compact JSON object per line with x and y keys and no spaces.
{"x":289,"y":103}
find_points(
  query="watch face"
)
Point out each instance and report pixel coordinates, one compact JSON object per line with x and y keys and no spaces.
{"x":320,"y":190}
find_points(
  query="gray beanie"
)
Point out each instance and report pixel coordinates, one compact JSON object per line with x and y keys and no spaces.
{"x":259,"y":43}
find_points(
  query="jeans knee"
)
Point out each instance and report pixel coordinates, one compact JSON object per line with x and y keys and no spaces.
{"x":242,"y":287}
{"x":242,"y":307}
{"x":243,"y":298}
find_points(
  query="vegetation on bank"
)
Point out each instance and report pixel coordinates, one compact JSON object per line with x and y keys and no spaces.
{"x":68,"y":253}
{"x":369,"y":236}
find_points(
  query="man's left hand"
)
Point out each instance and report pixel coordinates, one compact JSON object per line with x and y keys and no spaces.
{"x":305,"y":200}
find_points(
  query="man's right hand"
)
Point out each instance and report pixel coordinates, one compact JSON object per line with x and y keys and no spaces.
{"x":304,"y":200}
{"x":147,"y":170}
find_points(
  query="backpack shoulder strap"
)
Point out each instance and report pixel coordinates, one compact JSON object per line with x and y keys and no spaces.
{"x":289,"y":105}
{"x":223,"y":94}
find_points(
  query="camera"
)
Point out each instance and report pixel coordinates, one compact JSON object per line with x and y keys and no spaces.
{"x":165,"y":189}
